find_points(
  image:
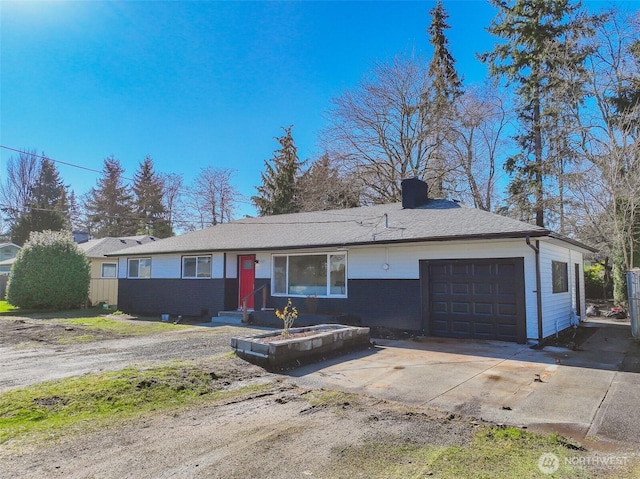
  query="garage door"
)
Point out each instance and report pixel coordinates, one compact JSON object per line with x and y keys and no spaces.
{"x":478,"y":299}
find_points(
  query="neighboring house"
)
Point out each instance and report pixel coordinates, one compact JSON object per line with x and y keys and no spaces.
{"x":8,"y":252}
{"x":427,"y":265}
{"x":104,"y":271}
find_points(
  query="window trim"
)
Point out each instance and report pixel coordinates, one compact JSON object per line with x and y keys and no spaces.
{"x":564,"y":288}
{"x":102,"y":265}
{"x":129,"y":260}
{"x":328,"y":277}
{"x":197,"y":257}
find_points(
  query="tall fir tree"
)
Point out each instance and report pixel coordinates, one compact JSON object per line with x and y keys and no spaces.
{"x":543,"y":56}
{"x":74,"y":213}
{"x":149,"y":208}
{"x":322,"y":187}
{"x":279,"y":192}
{"x":109,"y":205}
{"x":439,"y":102}
{"x":47,"y":205}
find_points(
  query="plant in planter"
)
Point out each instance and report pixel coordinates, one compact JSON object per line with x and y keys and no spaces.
{"x":288,"y":315}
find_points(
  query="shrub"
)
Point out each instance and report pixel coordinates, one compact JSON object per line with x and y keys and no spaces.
{"x":594,"y":283}
{"x":50,"y":272}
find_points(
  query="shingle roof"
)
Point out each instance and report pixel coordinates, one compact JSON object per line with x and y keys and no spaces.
{"x":98,"y":248}
{"x":389,"y":223}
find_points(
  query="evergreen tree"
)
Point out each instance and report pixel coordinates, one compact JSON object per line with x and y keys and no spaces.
{"x":74,"y":213}
{"x":543,"y":57}
{"x":47,"y":208}
{"x":439,"y":103}
{"x":109,"y":205}
{"x":322,"y":187}
{"x":278,"y":193}
{"x":149,"y":207}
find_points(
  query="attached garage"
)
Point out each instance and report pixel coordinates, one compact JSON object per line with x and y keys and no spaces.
{"x":474,"y":298}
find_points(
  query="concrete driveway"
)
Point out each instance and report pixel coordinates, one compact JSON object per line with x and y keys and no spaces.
{"x":582,"y":394}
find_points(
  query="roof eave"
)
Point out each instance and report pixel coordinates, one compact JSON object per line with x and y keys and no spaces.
{"x":573,"y":242}
{"x":481,"y":236}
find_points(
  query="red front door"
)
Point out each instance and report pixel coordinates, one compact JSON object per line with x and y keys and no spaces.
{"x":246,"y":277}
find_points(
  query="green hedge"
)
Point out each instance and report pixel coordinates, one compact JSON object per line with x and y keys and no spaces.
{"x":50,"y":272}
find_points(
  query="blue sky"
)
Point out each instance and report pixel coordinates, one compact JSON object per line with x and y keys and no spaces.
{"x":199,"y":83}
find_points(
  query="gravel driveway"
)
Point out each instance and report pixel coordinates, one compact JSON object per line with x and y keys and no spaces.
{"x":30,"y":350}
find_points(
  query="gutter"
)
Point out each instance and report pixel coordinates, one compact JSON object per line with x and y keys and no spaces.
{"x":249,"y":249}
{"x":538,"y":291}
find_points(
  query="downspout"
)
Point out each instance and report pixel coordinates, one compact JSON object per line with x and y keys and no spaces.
{"x":536,"y":249}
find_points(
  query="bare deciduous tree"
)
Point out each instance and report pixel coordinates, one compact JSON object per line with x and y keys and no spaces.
{"x":380,"y":130}
{"x":213,"y":198}
{"x":15,"y":192}
{"x":610,"y":186}
{"x":173,"y":199}
{"x":478,"y":144}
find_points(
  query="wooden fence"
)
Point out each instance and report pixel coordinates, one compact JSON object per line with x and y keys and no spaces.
{"x":4,"y":279}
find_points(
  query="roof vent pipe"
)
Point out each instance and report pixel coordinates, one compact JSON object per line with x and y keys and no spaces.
{"x":414,"y":193}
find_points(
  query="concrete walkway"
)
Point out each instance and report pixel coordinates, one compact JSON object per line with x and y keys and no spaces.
{"x":580,"y":393}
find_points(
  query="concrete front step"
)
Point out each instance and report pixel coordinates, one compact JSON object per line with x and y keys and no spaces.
{"x":227,"y":319}
{"x":234,"y":312}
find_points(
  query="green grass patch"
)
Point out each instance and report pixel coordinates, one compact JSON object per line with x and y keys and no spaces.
{"x":330,"y":398}
{"x":120,"y":327}
{"x":6,"y":307}
{"x":49,"y":410}
{"x":494,"y":453}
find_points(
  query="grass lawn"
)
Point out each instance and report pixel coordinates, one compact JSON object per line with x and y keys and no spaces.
{"x":51,"y":409}
{"x":494,"y":453}
{"x":120,"y":327}
{"x":5,"y":307}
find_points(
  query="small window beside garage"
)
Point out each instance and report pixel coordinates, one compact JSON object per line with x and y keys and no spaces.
{"x":139,"y":268}
{"x":109,"y":270}
{"x":560,"y":277}
{"x":196,"y":267}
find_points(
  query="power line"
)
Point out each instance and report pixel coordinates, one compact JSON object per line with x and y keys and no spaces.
{"x":93,"y":170}
{"x":365,"y":222}
{"x":55,"y":161}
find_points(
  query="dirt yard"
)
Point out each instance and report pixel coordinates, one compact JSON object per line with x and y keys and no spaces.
{"x":276,"y":433}
{"x":280,"y":432}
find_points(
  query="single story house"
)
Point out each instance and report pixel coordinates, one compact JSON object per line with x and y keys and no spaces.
{"x":424,"y":265}
{"x":103,"y":287}
{"x":8,"y":252}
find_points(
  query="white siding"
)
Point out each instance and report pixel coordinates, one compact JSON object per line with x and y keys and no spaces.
{"x":558,"y":308}
{"x":166,"y":266}
{"x":403,"y":263}
{"x":122,"y":267}
{"x":217,"y":268}
{"x":232,"y":265}
{"x":263,"y":268}
{"x":170,"y":266}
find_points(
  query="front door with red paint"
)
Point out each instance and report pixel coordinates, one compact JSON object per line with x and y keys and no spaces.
{"x":246,"y":277}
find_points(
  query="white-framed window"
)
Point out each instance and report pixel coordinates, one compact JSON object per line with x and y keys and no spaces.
{"x":559,"y":277}
{"x":139,"y":268}
{"x":319,"y":274}
{"x":109,"y":270}
{"x":196,"y":267}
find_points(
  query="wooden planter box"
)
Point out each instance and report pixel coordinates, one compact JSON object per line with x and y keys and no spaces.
{"x":326,"y":338}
